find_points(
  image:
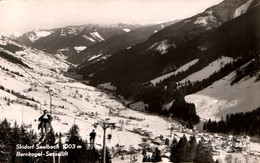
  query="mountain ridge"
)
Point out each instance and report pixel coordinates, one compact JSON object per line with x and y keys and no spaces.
{"x":181,"y":36}
{"x":117,"y":42}
{"x":64,"y":40}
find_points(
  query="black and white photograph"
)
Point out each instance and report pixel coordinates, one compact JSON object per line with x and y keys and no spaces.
{"x":129,"y":81}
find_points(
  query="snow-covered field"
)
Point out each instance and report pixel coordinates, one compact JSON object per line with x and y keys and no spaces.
{"x":126,"y":30}
{"x":80,"y":48}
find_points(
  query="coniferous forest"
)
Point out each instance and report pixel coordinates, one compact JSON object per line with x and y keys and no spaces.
{"x":13,"y":139}
{"x":191,"y":151}
{"x":238,"y":123}
{"x":158,"y":95}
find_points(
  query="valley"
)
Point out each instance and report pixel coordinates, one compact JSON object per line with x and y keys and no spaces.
{"x":166,"y":90}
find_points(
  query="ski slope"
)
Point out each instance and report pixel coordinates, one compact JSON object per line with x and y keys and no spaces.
{"x":208,"y":70}
{"x":94,"y":57}
{"x":89,"y":38}
{"x":72,"y":102}
{"x":182,"y":68}
{"x":221,"y":98}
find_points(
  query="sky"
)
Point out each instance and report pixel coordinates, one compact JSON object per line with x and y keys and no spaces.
{"x":26,"y":15}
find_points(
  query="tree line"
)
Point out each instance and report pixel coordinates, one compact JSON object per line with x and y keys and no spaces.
{"x":13,"y":59}
{"x":237,"y":123}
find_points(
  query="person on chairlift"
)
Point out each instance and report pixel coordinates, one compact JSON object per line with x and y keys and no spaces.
{"x":45,"y":122}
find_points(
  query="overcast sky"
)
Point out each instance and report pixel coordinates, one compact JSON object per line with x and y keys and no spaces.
{"x":25,"y":15}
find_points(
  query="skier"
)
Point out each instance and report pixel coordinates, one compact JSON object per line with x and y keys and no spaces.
{"x":92,"y":136}
{"x":45,"y":122}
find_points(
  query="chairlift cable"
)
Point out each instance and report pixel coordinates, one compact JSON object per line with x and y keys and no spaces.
{"x":47,"y":88}
{"x":60,"y":97}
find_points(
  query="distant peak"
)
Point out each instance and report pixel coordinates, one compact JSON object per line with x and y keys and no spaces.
{"x":12,"y":35}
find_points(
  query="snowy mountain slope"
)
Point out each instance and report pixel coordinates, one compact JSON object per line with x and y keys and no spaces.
{"x":243,"y":8}
{"x":30,"y":55}
{"x":23,"y":97}
{"x":222,"y":98}
{"x":116,"y":43}
{"x":13,"y":35}
{"x":197,"y":37}
{"x":97,"y":36}
{"x":37,"y":34}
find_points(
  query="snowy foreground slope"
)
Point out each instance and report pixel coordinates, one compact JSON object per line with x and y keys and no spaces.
{"x":69,"y":100}
{"x":76,"y":103}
